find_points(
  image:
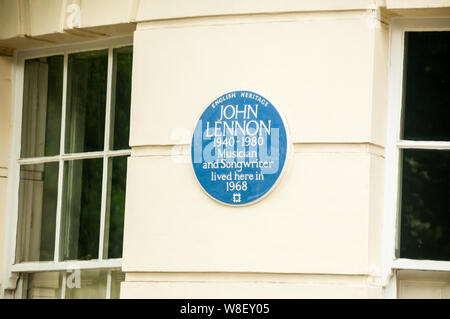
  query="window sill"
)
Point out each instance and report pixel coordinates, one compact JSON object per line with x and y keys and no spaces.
{"x":414,"y":264}
{"x":65,"y":265}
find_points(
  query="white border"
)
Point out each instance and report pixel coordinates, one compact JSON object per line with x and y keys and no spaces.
{"x":286,"y":161}
{"x":390,"y":262}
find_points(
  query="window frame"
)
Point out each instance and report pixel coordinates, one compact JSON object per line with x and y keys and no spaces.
{"x":11,"y":270}
{"x":394,"y":145}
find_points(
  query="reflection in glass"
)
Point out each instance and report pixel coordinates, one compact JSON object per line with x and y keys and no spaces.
{"x":86,"y":101}
{"x":425,"y":205}
{"x":38,"y":191}
{"x":81,"y":209}
{"x":116,"y":206}
{"x":427,"y":86}
{"x":116,"y":278}
{"x":121,"y":98}
{"x":92,"y":285}
{"x":42,"y":100}
{"x":44,"y":285}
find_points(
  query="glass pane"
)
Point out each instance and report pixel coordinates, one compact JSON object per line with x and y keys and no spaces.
{"x":116,"y":278}
{"x":81,"y":209}
{"x":121,"y":99}
{"x":44,"y":285}
{"x":38,"y":191}
{"x":425,"y":210}
{"x":116,"y":206}
{"x":42,"y":99}
{"x":86,"y":101}
{"x":427,"y":87}
{"x":92,"y":285}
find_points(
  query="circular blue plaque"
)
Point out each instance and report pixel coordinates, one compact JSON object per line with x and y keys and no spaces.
{"x":239,"y":147}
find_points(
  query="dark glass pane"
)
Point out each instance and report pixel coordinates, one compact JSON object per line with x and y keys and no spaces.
{"x":121,"y":99}
{"x":38,"y":192}
{"x":116,"y":205}
{"x":427,"y":87}
{"x":425,"y":210}
{"x":42,"y":100}
{"x":86,"y":101}
{"x":81,"y":209}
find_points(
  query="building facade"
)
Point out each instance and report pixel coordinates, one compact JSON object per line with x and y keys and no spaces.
{"x":99,"y":101}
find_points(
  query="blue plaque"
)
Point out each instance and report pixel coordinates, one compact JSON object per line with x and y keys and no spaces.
{"x":239,"y":148}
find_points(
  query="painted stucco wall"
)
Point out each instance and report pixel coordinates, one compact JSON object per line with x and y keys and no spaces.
{"x":319,"y":70}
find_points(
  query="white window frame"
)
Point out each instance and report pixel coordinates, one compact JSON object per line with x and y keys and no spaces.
{"x":392,"y":152}
{"x":11,"y":270}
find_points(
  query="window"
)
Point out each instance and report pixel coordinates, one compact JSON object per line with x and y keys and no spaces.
{"x":71,"y":170}
{"x":425,"y":168}
{"x":417,"y":192}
